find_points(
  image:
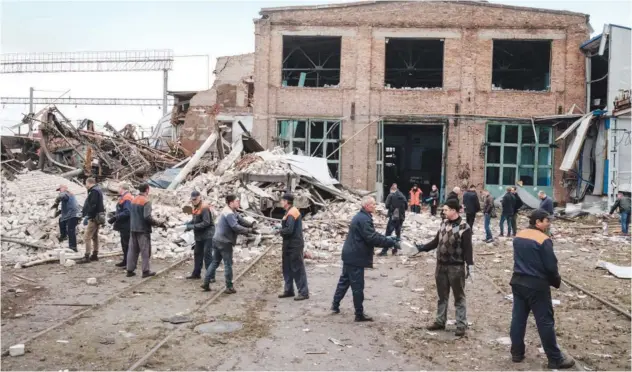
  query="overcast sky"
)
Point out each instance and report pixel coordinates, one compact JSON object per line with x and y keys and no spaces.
{"x":213,"y":28}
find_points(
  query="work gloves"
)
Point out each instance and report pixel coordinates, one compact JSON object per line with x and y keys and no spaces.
{"x":111,"y":220}
{"x":188,"y":226}
{"x":470,"y":272}
{"x":57,"y":213}
{"x":420,"y":248}
{"x":85,"y":221}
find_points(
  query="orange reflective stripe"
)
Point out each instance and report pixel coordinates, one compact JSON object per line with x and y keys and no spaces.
{"x":533,"y":234}
{"x":414,"y":197}
{"x":139,"y":200}
{"x":294,"y":212}
{"x":126,"y":197}
{"x":199,"y":210}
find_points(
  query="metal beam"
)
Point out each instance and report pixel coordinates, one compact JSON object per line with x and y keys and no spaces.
{"x":127,"y":60}
{"x":85,"y":101}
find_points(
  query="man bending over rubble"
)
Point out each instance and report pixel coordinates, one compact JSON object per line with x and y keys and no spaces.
{"x":357,"y":254}
{"x":203,"y":230}
{"x":120,"y":220}
{"x":141,"y":222}
{"x":453,"y":243}
{"x":93,"y":211}
{"x":229,"y":225}
{"x":69,"y":216}
{"x":293,"y":266}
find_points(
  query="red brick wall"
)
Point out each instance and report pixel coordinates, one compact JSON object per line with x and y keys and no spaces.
{"x":468,"y":31}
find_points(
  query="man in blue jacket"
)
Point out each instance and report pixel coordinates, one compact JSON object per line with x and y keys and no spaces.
{"x":69,"y":216}
{"x":293,"y":265}
{"x":535,"y":271}
{"x":546,"y":203}
{"x":120,"y":220}
{"x":229,"y":225}
{"x":357,"y":254}
{"x":203,"y":230}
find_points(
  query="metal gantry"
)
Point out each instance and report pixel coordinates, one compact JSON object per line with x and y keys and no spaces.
{"x":83,"y":101}
{"x":109,"y":61}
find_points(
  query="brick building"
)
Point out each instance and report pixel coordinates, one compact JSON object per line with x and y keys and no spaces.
{"x":433,"y":92}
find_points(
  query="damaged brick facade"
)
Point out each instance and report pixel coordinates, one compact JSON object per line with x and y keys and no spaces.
{"x":232,"y":90}
{"x":466,"y":101}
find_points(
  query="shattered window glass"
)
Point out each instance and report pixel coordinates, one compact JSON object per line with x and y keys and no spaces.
{"x":526,"y":176}
{"x":544,"y":177}
{"x":527,"y":134}
{"x":492,"y":175}
{"x":527,"y":155}
{"x":509,"y":175}
{"x":544,"y":135}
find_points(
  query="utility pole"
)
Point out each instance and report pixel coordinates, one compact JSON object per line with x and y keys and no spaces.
{"x":31,"y":110}
{"x":164,"y":91}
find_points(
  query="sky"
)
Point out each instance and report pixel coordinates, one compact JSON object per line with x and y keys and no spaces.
{"x":213,"y":28}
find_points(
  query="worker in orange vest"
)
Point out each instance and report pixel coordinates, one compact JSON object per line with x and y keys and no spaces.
{"x":415,"y":199}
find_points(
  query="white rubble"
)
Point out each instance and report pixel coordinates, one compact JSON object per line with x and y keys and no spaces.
{"x":16,"y":350}
{"x":91,"y":281}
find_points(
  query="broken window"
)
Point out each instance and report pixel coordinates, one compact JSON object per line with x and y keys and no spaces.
{"x":312,"y":137}
{"x":311,"y":61}
{"x":514,"y":154}
{"x":413,"y":63}
{"x":521,"y":65}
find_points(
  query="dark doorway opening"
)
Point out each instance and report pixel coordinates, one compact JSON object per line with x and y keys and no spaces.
{"x":599,"y":80}
{"x":521,"y":65}
{"x":413,"y":153}
{"x":311,"y":61}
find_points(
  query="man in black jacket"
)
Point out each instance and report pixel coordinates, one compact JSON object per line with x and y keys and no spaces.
{"x":120,"y":220}
{"x":508,"y":202}
{"x":203,"y":230}
{"x":357,"y":254}
{"x":433,"y":199}
{"x":518,"y":203}
{"x":396,"y":205}
{"x":535,"y":271}
{"x":472,"y":205}
{"x":93,"y":216}
{"x":293,"y":243}
{"x":453,"y":243}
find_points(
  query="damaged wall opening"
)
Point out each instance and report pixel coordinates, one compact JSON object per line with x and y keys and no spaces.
{"x":413,"y":153}
{"x":312,"y":137}
{"x":521,"y":65}
{"x":599,"y":80}
{"x":311,"y":61}
{"x":413,"y":63}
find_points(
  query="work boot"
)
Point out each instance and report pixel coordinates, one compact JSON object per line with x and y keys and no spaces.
{"x":193,"y":277}
{"x":147,"y":274}
{"x":517,"y":358}
{"x":502,"y":235}
{"x":394,"y":252}
{"x":230,"y":290}
{"x":130,"y":273}
{"x":121,"y":264}
{"x":363,"y":318}
{"x":301,"y":297}
{"x":85,"y":259}
{"x":335,"y":309}
{"x":61,"y":238}
{"x":460,"y":332}
{"x":74,"y":249}
{"x":435,"y":327}
{"x":286,"y":295}
{"x":564,"y":363}
{"x":94,"y":257}
{"x":206,"y":287}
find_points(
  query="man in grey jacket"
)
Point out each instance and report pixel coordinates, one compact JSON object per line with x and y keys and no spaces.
{"x":69,"y":216}
{"x":228,"y":226}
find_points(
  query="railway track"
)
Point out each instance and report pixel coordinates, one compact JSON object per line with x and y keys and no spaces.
{"x":140,"y":316}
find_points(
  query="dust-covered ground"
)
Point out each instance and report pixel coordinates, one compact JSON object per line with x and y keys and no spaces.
{"x":282,"y":334}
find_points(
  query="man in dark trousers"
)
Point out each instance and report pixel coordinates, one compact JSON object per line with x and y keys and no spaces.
{"x":141,"y":222}
{"x":229,"y":224}
{"x":121,"y":220}
{"x":292,"y":252}
{"x":203,"y":230}
{"x":69,"y":216}
{"x":518,"y":203}
{"x":416,"y":195}
{"x":433,"y":199}
{"x":93,"y":216}
{"x":472,"y":205}
{"x":396,"y":205}
{"x":357,"y":254}
{"x":453,"y":243}
{"x":508,"y":202}
{"x":489,"y":213}
{"x":623,"y":204}
{"x":535,"y":271}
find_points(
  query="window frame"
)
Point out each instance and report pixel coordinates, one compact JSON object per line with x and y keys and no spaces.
{"x":308,"y":141}
{"x":519,"y":145}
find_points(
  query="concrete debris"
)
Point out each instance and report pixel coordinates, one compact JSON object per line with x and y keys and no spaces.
{"x":16,"y":350}
{"x":91,"y":281}
{"x":621,"y":272}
